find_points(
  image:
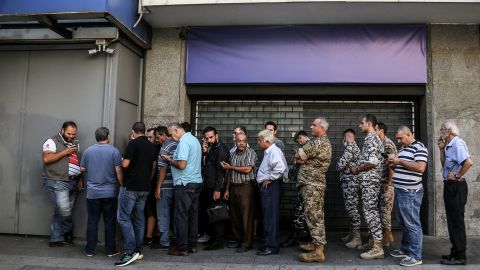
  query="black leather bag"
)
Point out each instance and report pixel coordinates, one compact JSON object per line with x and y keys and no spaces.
{"x":218,"y":212}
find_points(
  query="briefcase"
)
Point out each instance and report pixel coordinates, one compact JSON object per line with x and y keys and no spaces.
{"x":218,"y":212}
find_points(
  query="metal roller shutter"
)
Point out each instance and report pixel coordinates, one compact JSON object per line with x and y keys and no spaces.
{"x":294,"y":115}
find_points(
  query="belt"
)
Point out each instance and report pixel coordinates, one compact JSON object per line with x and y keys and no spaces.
{"x":455,"y":180}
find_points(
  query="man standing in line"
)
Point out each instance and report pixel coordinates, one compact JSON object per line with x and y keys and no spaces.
{"x":164,"y":187}
{"x":272,"y":127}
{"x":456,"y":162}
{"x":103,"y":165}
{"x":186,"y":165}
{"x":151,"y":203}
{"x":139,"y":163}
{"x":369,"y":175}
{"x":315,"y":157}
{"x":271,"y":172}
{"x":350,"y":187}
{"x":409,"y":168}
{"x":240,"y":185}
{"x":214,"y":180}
{"x":298,"y":228}
{"x":61,"y":179}
{"x":387,"y":193}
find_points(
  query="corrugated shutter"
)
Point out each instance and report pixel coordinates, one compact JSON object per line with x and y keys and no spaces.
{"x":294,"y":115}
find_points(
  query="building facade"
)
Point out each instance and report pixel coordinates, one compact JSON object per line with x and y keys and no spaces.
{"x":224,"y":63}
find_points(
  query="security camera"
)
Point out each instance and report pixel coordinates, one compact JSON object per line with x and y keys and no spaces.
{"x":109,"y":50}
{"x":92,"y":52}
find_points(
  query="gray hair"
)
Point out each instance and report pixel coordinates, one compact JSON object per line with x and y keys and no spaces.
{"x":323,"y":122}
{"x":404,"y":130}
{"x":101,"y":134}
{"x":174,"y":125}
{"x":266,"y":135}
{"x":451,"y":124}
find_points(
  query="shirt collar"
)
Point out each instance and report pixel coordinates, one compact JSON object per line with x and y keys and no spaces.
{"x":451,"y":142}
{"x":270,"y":148}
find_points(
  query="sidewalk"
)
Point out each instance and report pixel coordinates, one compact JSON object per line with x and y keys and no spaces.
{"x":28,"y":253}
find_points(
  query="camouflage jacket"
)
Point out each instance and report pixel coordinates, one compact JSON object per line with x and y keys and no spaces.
{"x":317,"y":153}
{"x":349,"y":159}
{"x":371,"y":153}
{"x":390,"y":150}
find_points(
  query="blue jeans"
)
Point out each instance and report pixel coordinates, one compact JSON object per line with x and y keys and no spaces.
{"x":164,"y":208}
{"x":408,"y":214}
{"x":96,"y":208}
{"x":62,"y":194}
{"x":131,"y":218}
{"x":270,"y":201}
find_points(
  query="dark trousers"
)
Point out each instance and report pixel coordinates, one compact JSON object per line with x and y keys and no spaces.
{"x":270,"y":200}
{"x":455,"y":197}
{"x":217,"y":229}
{"x":186,"y":200}
{"x":241,"y":211}
{"x":96,"y":208}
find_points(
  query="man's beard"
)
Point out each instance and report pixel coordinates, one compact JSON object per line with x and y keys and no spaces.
{"x":66,"y":138}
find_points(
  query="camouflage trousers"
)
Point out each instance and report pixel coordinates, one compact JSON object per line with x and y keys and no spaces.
{"x":351,"y":197}
{"x":314,"y":199}
{"x":370,"y":190}
{"x":299,"y":222}
{"x":386,"y":205}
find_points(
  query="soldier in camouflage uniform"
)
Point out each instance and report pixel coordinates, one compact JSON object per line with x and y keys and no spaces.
{"x":386,"y":186}
{"x":315,"y":157}
{"x":350,"y":187}
{"x":299,"y":227}
{"x":369,"y":173}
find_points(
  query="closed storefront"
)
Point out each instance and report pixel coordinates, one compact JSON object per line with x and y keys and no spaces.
{"x":294,"y":115}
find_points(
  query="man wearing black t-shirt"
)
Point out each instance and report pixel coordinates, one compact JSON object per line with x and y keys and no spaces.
{"x":139,"y":162}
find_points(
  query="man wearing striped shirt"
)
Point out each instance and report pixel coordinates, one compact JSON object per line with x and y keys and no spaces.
{"x":240,"y":184}
{"x":407,"y":180}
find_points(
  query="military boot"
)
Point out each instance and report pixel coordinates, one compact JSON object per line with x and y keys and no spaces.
{"x":356,"y":240}
{"x":387,"y":238}
{"x":315,"y":255}
{"x":307,"y":247}
{"x":368,"y":245}
{"x":347,"y":237}
{"x":375,"y":253}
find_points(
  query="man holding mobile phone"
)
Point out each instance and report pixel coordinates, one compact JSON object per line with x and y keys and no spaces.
{"x":61,"y":179}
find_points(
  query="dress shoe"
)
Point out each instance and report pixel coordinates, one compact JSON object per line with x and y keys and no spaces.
{"x":175,"y":252}
{"x":267,"y":252}
{"x":453,"y":261}
{"x":234,"y":245}
{"x":214,"y":246}
{"x":242,"y":249}
{"x":447,"y":257}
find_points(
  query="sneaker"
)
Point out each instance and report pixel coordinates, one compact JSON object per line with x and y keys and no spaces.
{"x":60,"y":244}
{"x":89,"y":253}
{"x":397,"y":253}
{"x":409,"y":261}
{"x":127,"y":259}
{"x":140,"y":254}
{"x":113,"y":253}
{"x":204,"y":238}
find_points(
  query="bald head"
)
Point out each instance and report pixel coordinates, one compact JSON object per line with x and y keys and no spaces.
{"x":405,"y":136}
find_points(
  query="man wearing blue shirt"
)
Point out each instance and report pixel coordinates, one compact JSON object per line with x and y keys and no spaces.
{"x":186,"y":169}
{"x":456,"y":162}
{"x":102,"y":163}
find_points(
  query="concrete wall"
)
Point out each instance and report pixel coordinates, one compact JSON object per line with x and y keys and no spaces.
{"x":455,"y":92}
{"x":165,"y":93}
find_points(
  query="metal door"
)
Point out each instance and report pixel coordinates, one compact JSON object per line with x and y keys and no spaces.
{"x":294,"y":115}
